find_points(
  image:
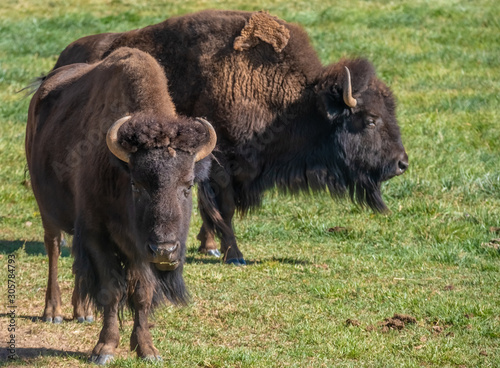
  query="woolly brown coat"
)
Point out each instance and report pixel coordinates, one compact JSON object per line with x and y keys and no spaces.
{"x":280,"y":115}
{"x":129,"y":219}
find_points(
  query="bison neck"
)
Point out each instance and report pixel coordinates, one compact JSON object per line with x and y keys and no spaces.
{"x":295,"y":156}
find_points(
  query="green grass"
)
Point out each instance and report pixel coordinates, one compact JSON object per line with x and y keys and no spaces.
{"x":432,"y":257}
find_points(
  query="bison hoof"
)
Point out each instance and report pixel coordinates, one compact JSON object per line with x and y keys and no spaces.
{"x":101,"y":359}
{"x":214,"y":253}
{"x":56,"y":320}
{"x":88,"y":319}
{"x":236,"y":261}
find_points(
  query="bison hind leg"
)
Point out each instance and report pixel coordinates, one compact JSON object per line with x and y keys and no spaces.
{"x":52,"y":241}
{"x":217,"y":211}
{"x":208,"y":244}
{"x":83,"y":310}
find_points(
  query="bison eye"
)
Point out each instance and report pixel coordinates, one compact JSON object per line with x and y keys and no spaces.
{"x":187,"y":190}
{"x":134,"y":188}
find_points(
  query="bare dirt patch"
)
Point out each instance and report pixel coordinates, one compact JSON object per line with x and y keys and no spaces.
{"x":352,"y":322}
{"x":437,"y":329}
{"x":396,"y":322}
{"x":70,"y":341}
{"x":338,"y":229}
{"x":495,"y":230}
{"x":493,"y":243}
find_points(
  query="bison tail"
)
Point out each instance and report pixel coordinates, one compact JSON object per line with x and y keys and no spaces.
{"x":32,"y":86}
{"x":209,"y":210}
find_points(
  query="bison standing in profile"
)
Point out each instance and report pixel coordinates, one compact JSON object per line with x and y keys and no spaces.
{"x":113,"y":164}
{"x":282,"y":118}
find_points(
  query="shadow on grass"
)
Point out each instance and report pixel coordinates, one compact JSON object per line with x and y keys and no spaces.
{"x":37,"y":248}
{"x":26,"y":354}
{"x":34,"y":319}
{"x":204,"y":259}
{"x":285,"y":260}
{"x":194,"y":257}
{"x":31,"y":248}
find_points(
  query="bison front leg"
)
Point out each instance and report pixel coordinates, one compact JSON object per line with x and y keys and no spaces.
{"x":141,"y":340}
{"x":52,"y":241}
{"x":95,"y":267}
{"x":109,"y":337}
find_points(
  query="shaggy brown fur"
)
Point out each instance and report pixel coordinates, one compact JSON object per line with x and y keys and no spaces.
{"x":280,"y":117}
{"x":129,"y":220}
{"x":262,"y":27}
{"x":144,"y":132}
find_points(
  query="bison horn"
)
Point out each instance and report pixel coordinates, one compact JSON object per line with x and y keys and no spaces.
{"x":347,"y":87}
{"x":112,"y":140}
{"x":209,"y":146}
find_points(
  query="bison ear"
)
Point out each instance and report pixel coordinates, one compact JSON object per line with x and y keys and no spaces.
{"x":331,"y":103}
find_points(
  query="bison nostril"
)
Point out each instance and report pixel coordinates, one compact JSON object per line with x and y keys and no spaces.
{"x":164,"y":249}
{"x":172,"y":248}
{"x":403,"y":165}
{"x":154,"y":248}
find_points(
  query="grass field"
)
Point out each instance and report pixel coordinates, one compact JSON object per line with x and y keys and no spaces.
{"x":309,"y":297}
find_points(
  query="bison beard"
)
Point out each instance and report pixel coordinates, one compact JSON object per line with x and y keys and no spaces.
{"x":125,"y":193}
{"x":282,"y":118}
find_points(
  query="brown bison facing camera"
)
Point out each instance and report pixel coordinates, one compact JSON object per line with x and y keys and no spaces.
{"x":282,"y":118}
{"x":113,"y":164}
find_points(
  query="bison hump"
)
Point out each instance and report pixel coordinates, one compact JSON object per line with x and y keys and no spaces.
{"x":262,"y":27}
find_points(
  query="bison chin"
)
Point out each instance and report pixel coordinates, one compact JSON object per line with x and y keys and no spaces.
{"x":166,"y":266}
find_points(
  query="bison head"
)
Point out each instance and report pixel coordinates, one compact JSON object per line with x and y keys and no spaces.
{"x":360,"y":110}
{"x":163,"y":159}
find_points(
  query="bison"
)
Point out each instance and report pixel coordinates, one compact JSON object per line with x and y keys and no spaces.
{"x":113,"y":164}
{"x":282,"y":118}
